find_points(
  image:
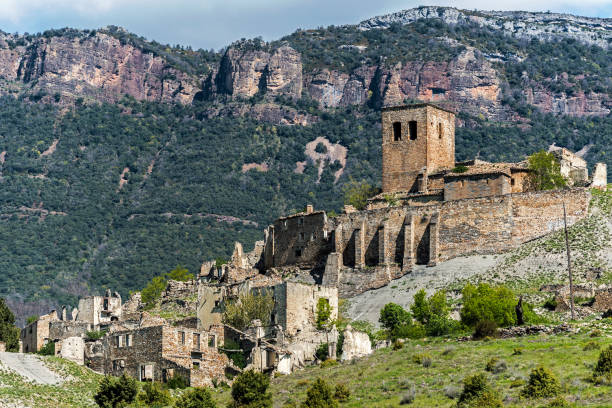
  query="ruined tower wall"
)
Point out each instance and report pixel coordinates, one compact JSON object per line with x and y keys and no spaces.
{"x":477,"y":185}
{"x":408,"y":148}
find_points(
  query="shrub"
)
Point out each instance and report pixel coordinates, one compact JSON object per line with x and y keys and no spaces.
{"x":48,"y":349}
{"x":550,"y":304}
{"x":452,"y":392}
{"x":357,"y":194}
{"x":154,"y":395}
{"x":250,"y":390}
{"x":558,"y":402}
{"x":177,"y":382}
{"x":393,"y":316}
{"x":460,"y":169}
{"x":153,"y":291}
{"x":322,"y":352}
{"x":478,"y":393}
{"x":398,"y":344}
{"x":31,"y":319}
{"x":433,"y":313}
{"x":248,"y":307}
{"x":237,"y":357}
{"x":409,"y":331}
{"x":95,"y":335}
{"x":603,"y":368}
{"x":408,"y":397}
{"x":607,"y":314}
{"x":179,"y":274}
{"x":596,"y":333}
{"x":195,"y":398}
{"x":342,"y":393}
{"x":545,"y":171}
{"x":542,"y":384}
{"x":484,"y":329}
{"x":496,"y":366}
{"x":329,"y":363}
{"x":517,"y":351}
{"x":116,"y":392}
{"x":484,"y":302}
{"x":426,"y":361}
{"x":591,"y":345}
{"x":320,"y":395}
{"x":324,"y":311}
{"x":517,"y":383}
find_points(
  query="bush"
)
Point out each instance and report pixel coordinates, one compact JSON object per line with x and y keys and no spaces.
{"x":604,"y":365}
{"x":591,"y":345}
{"x":484,"y":329}
{"x":154,"y":395}
{"x":398,"y":344}
{"x":116,"y":392}
{"x":195,"y":398}
{"x":409,"y":331}
{"x":323,"y":313}
{"x":408,"y":397}
{"x":517,"y":383}
{"x":542,"y":384}
{"x":452,"y":392}
{"x":433,"y":313}
{"x":426,"y":361}
{"x":517,"y":351}
{"x":496,"y":366}
{"x":357,"y":194}
{"x":545,"y":171}
{"x":478,"y":393}
{"x":237,"y":357}
{"x":48,"y":349}
{"x":152,"y":292}
{"x":342,"y":393}
{"x":95,"y":335}
{"x":320,"y":395}
{"x":177,"y":382}
{"x":250,"y":390}
{"x":550,"y":304}
{"x":248,"y":307}
{"x":329,"y":363}
{"x":179,"y":274}
{"x":607,"y":314}
{"x":322,"y":352}
{"x":596,"y":333}
{"x":393,"y":316}
{"x":484,"y":302}
{"x":558,"y":402}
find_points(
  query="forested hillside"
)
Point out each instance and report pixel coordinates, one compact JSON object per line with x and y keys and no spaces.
{"x":108,"y":189}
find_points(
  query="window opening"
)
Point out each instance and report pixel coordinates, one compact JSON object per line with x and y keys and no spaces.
{"x":412,"y":128}
{"x":397,"y":131}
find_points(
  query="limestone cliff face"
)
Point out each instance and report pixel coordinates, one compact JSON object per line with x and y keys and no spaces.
{"x":243,"y":74}
{"x":97,"y":66}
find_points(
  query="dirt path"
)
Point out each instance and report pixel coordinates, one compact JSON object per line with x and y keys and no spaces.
{"x":31,"y":367}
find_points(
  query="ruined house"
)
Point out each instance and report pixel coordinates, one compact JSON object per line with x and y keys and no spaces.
{"x":36,"y":334}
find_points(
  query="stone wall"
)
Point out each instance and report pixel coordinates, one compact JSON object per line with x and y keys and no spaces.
{"x":295,"y":306}
{"x":457,"y":187}
{"x":300,"y":239}
{"x":356,"y":344}
{"x":415,"y":138}
{"x":71,"y":348}
{"x":600,"y":176}
{"x":36,"y":334}
{"x":59,"y":330}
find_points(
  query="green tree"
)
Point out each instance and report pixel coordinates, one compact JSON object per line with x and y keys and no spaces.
{"x":420,"y":307}
{"x":116,"y":392}
{"x":484,"y":302}
{"x":250,"y":390}
{"x":320,"y":395}
{"x":357,"y":194}
{"x":153,"y":291}
{"x":324,"y":311}
{"x":393,"y":316}
{"x":195,"y":398}
{"x":9,"y":333}
{"x":545,"y":171}
{"x":154,"y":395}
{"x":179,"y":274}
{"x":31,"y":319}
{"x":249,"y":306}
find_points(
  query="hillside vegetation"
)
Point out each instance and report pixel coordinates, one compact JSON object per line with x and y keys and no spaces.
{"x":107,"y":195}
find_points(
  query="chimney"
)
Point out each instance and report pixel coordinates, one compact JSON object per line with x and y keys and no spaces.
{"x":309,"y":209}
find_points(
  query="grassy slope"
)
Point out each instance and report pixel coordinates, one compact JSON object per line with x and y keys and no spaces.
{"x":382,"y":379}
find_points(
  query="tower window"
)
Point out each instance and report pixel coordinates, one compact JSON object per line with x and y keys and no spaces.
{"x":397,"y":131}
{"x":440,"y":130}
{"x":412,"y":128}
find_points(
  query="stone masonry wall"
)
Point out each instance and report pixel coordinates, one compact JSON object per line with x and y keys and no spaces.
{"x":482,"y":185}
{"x":433,"y":147}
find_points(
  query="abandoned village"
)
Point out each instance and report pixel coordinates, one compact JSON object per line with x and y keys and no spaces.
{"x":431,"y":209}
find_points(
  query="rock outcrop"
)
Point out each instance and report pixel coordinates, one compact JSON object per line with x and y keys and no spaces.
{"x":98,"y":66}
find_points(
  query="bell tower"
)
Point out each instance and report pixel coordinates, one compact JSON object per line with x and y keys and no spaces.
{"x":416,"y":140}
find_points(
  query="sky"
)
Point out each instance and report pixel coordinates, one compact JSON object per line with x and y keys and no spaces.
{"x":213,"y":24}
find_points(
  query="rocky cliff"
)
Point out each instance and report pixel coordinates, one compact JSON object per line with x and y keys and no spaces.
{"x":95,"y":65}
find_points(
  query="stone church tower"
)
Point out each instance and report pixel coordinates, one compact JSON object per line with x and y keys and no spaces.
{"x":417,"y":140}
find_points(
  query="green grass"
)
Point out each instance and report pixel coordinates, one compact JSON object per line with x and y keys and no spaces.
{"x":383,"y":378}
{"x":77,"y":391}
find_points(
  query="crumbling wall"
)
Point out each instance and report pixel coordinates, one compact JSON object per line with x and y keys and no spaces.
{"x":36,"y":334}
{"x":209,"y":309}
{"x":72,"y":348}
{"x":476,"y":185}
{"x":356,"y":344}
{"x":600,"y":176}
